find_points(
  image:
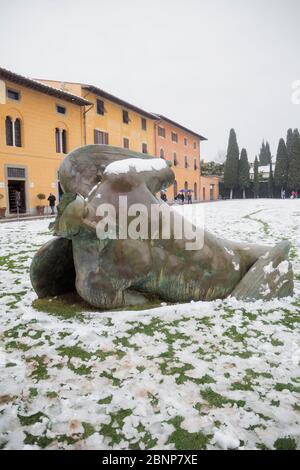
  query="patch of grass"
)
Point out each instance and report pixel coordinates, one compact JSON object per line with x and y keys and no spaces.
{"x":184,"y":440}
{"x":74,"y":351}
{"x":40,"y":372}
{"x":218,"y":401}
{"x":81,"y":370}
{"x":88,"y":430}
{"x":32,"y":419}
{"x":67,"y":306}
{"x":113,"y":431}
{"x":285,"y":443}
{"x":296,"y":406}
{"x":33,"y":392}
{"x":109,"y":375}
{"x":41,"y":441}
{"x":105,"y":401}
{"x":234,"y":335}
{"x":51,"y":394}
{"x":280,"y":387}
{"x":242,"y":386}
{"x":147,"y":439}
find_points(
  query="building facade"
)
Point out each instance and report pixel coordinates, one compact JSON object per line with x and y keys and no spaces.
{"x":43,"y":120}
{"x":39,"y":125}
{"x":182,"y":147}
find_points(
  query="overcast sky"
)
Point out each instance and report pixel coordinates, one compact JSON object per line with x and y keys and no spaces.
{"x":208,"y":64}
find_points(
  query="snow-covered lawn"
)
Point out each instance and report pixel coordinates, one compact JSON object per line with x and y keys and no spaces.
{"x":201,"y":375}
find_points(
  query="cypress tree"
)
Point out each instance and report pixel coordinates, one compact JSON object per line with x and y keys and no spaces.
{"x":244,"y":172}
{"x":265,"y":154}
{"x":289,"y":140}
{"x":294,"y":166}
{"x":270,"y":181}
{"x":256,"y":179}
{"x":231,"y":163}
{"x":281,"y":167}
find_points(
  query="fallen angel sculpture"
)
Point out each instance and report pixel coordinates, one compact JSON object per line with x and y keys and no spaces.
{"x":110,"y":272}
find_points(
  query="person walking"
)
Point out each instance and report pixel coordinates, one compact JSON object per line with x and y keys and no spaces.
{"x":189,"y":197}
{"x":283,"y":194}
{"x":52,"y":200}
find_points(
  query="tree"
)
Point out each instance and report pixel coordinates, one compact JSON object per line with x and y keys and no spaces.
{"x":256,"y":178}
{"x":289,"y":140}
{"x":270,"y":180}
{"x":265,"y":154}
{"x":232,"y":163}
{"x":211,"y":168}
{"x":281,"y":167}
{"x":294,"y":166}
{"x":244,"y":172}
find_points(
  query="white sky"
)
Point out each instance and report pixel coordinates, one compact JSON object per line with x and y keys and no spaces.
{"x":208,"y":64}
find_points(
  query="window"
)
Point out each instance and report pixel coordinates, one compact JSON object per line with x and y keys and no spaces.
{"x":57,"y":140}
{"x":195,"y":145}
{"x":186,"y":162}
{"x":195,"y":164}
{"x":13,"y":95}
{"x":161,"y":131}
{"x":186,"y":186}
{"x":144,"y":124}
{"x":14,"y":172}
{"x":64,"y":141}
{"x":9,"y":131}
{"x":60,"y":109}
{"x":174,"y":137}
{"x":13,"y":132}
{"x":185,"y":141}
{"x":100,"y":137}
{"x":144,"y":148}
{"x":125,"y":117}
{"x":162,"y":153}
{"x":17,"y":135}
{"x":175,"y":159}
{"x":61,"y":140}
{"x":126,"y":143}
{"x":100,"y":107}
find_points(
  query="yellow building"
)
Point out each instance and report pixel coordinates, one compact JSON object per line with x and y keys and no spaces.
{"x":111,"y":120}
{"x":39,"y":125}
{"x":42,"y":120}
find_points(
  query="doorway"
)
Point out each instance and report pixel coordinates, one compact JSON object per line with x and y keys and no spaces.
{"x":211,"y":192}
{"x":16,"y":192}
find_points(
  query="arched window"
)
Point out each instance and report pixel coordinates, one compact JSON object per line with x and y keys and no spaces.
{"x":162,"y":153}
{"x":195,"y":191}
{"x":175,"y":188}
{"x":18,"y":138}
{"x":57,"y":140}
{"x":185,"y":162}
{"x":186,"y":186}
{"x":61,"y":140}
{"x":9,"y":131}
{"x":64,"y":141}
{"x":175,"y":159}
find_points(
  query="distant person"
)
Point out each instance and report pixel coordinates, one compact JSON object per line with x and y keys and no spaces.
{"x":182,"y":198}
{"x":283,"y":194}
{"x":52,"y":200}
{"x":189,"y":197}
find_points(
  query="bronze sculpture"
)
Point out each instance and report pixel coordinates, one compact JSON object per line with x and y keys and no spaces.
{"x":113,"y":273}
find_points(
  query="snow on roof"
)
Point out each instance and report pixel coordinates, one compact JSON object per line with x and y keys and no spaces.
{"x":136,"y":164}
